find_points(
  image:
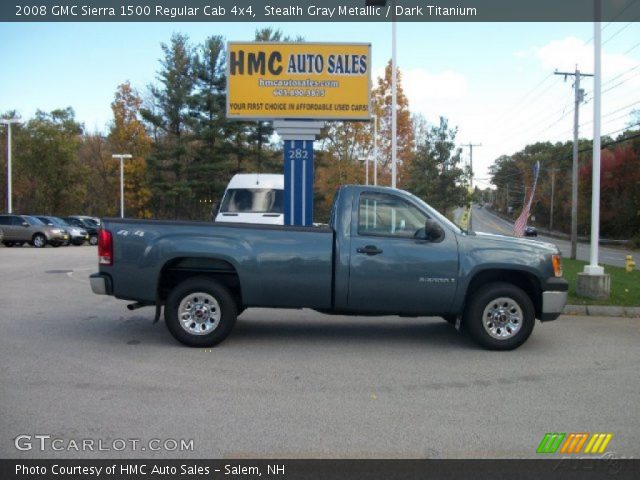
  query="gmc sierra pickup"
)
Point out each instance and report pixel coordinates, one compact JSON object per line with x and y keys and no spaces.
{"x":384,"y":252}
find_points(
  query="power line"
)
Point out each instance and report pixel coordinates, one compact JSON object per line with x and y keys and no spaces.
{"x":622,"y":74}
{"x":620,"y":83}
{"x":619,"y":31}
{"x":632,"y":48}
{"x":613,"y":112}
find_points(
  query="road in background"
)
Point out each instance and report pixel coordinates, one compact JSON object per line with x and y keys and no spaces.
{"x":295,"y":384}
{"x":486,"y":221}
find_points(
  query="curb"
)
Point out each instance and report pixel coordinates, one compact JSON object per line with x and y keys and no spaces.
{"x":601,"y":311}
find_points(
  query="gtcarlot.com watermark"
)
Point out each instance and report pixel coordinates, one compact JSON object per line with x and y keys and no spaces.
{"x":51,"y":443}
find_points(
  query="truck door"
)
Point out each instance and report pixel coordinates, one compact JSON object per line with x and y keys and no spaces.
{"x":393,"y":268}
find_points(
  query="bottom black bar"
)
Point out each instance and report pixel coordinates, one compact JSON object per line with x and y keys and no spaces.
{"x":559,"y":468}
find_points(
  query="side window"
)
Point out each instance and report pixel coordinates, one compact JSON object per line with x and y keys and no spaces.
{"x":17,"y":221}
{"x":4,"y":220}
{"x":389,"y":215}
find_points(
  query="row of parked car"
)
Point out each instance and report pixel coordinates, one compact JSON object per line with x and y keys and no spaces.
{"x":42,"y":230}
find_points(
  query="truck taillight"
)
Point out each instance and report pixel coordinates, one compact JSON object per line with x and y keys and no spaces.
{"x":105,"y":247}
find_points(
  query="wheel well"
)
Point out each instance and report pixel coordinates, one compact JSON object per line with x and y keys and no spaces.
{"x":524,"y":280}
{"x":178,"y":270}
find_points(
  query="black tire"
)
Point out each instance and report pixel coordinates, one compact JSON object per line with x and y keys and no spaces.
{"x":506,"y":299}
{"x":8,"y":244}
{"x":39,"y":241}
{"x":78,"y":243}
{"x":227,"y":312}
{"x":55,"y":244}
{"x":93,"y":240}
{"x":18,"y":244}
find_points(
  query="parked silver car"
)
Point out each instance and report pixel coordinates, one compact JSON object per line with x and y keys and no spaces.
{"x":77,"y":235}
{"x":20,"y":229}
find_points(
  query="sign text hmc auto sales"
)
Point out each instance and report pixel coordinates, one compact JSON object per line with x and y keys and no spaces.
{"x":298,"y":80}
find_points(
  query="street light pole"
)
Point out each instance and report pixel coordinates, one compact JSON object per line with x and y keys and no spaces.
{"x":375,"y":150}
{"x":593,"y":268}
{"x":394,"y":90}
{"x":394,"y":102}
{"x":8,"y":122}
{"x":121,"y":156}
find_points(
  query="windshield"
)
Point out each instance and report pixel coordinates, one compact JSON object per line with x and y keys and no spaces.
{"x":55,"y":221}
{"x":254,"y":200}
{"x":60,"y":222}
{"x":33,"y":220}
{"x":438,"y":215}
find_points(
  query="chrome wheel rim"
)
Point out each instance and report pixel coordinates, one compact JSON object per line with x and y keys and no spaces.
{"x":93,"y":240}
{"x":38,"y":241}
{"x":502,"y":318}
{"x":199,"y":313}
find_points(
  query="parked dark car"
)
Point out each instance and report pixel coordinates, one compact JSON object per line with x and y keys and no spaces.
{"x":530,"y":232}
{"x":77,"y":235}
{"x":20,"y":229}
{"x":86,"y":224}
{"x":92,"y":220}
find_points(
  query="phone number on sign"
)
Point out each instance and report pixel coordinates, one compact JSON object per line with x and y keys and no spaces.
{"x":294,"y":92}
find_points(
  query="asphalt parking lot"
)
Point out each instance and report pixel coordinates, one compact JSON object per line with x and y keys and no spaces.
{"x":293,"y":384}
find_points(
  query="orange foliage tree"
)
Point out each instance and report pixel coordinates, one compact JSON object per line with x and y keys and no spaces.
{"x":128,"y":135}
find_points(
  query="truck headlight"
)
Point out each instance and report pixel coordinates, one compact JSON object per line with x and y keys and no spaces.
{"x":556,"y":261}
{"x":56,"y":231}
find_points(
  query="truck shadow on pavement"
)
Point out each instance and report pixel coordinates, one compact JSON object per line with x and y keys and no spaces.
{"x":354,"y":330}
{"x":277,"y":332}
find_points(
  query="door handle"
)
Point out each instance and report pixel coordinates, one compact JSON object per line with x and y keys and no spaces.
{"x":369,"y":250}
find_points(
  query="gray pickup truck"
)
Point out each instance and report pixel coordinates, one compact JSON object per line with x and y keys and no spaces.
{"x":384,"y":252}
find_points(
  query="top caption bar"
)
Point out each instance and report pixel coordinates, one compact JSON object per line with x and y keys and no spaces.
{"x":318,"y":10}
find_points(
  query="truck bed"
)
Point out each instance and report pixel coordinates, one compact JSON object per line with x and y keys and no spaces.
{"x":278,"y":266}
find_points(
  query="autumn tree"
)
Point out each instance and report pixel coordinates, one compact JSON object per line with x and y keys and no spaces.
{"x":382,"y":107}
{"x":128,"y":135}
{"x":100,"y":176}
{"x":48,"y":178}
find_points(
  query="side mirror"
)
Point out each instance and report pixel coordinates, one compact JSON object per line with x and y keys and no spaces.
{"x":25,"y":224}
{"x":433,"y":232}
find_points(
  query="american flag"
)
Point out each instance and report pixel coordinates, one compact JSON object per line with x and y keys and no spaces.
{"x":521,"y":222}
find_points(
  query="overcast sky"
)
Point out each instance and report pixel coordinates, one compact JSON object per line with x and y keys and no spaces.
{"x":494,"y":80}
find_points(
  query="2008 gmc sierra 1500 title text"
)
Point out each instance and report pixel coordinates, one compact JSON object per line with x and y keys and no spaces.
{"x":385,"y":252}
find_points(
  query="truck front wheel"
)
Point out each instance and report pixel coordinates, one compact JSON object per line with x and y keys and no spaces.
{"x":200,"y":312}
{"x":500,"y":316}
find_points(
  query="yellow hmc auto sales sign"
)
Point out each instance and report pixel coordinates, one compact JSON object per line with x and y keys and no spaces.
{"x":330,"y":81}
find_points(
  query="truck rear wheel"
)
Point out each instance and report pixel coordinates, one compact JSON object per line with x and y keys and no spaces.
{"x":200,"y":312}
{"x":500,"y":316}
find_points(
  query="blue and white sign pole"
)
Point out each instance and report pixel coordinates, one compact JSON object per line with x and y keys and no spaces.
{"x":298,"y":137}
{"x":298,"y":182}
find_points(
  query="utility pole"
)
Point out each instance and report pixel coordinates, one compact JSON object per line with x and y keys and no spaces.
{"x":579,"y":98}
{"x":507,"y":202}
{"x":471,"y":145}
{"x":553,"y":190}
